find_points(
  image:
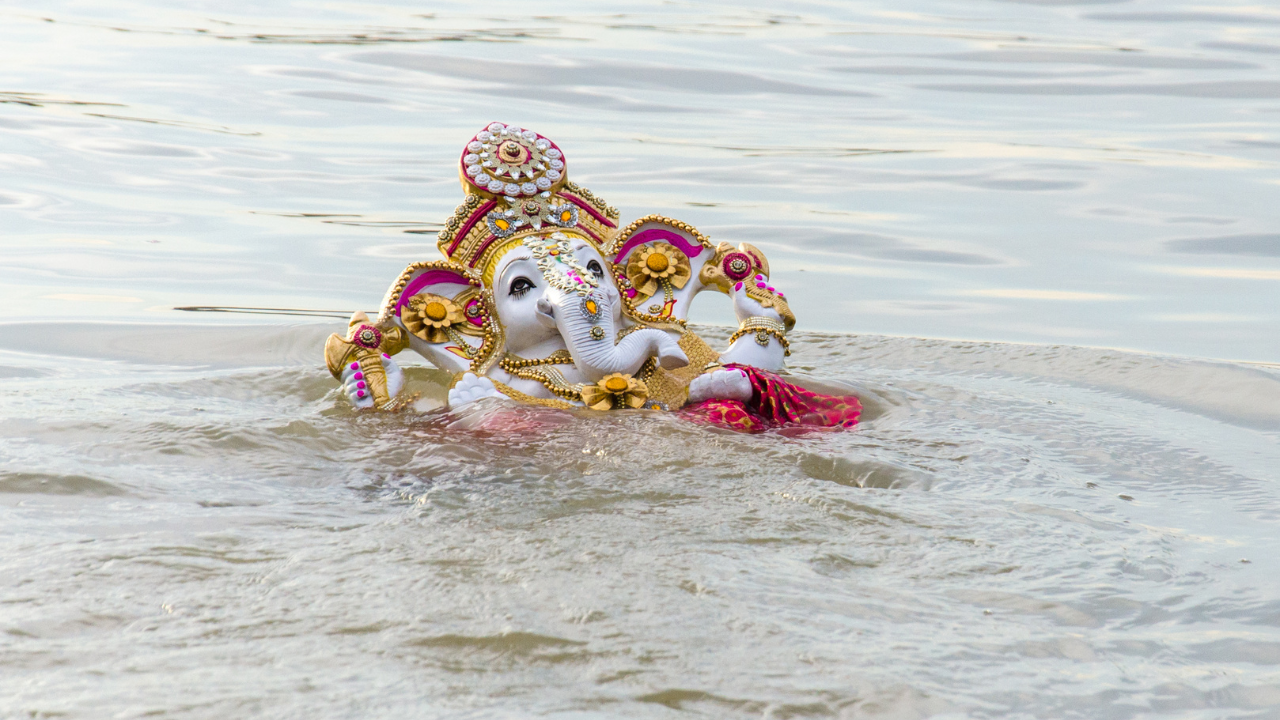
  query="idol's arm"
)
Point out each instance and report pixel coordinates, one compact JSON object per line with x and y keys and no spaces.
{"x":763,"y":322}
{"x":441,"y":311}
{"x":764,"y":318}
{"x":760,"y":342}
{"x":372,"y":380}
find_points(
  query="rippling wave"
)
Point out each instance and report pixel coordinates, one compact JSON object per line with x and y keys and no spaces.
{"x":1024,"y":529}
{"x":195,"y":524}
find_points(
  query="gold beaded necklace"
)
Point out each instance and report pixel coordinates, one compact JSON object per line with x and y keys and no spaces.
{"x":540,"y":370}
{"x":559,"y":357}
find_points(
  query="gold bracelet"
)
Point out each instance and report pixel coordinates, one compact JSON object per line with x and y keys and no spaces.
{"x":764,"y":328}
{"x":753,"y":323}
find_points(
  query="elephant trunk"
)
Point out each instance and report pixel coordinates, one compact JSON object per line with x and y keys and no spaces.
{"x":588,"y":326}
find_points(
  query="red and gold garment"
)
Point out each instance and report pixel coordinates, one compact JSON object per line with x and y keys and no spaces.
{"x":776,"y":403}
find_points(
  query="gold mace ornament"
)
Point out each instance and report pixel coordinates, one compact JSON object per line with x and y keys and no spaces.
{"x":365,"y":344}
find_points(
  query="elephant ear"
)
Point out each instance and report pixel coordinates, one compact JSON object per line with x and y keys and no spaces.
{"x":446,"y":314}
{"x":656,"y":260}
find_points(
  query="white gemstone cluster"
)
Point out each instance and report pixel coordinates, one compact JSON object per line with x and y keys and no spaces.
{"x":558,"y":265}
{"x":521,"y":213}
{"x":508,"y":160}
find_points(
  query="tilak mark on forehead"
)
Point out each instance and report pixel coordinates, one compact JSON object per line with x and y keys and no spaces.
{"x":558,"y":265}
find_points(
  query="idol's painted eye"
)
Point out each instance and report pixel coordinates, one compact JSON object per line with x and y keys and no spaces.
{"x":520,"y":286}
{"x":596,"y":270}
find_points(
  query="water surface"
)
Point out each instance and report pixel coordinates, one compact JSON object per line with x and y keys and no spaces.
{"x":196,"y":525}
{"x":1097,"y":173}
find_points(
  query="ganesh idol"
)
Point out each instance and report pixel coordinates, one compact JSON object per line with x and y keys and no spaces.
{"x":542,"y":297}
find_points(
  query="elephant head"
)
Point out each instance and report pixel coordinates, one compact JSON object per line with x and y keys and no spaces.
{"x":553,"y":291}
{"x":523,"y":274}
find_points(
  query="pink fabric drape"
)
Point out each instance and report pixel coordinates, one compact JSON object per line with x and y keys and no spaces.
{"x":776,"y":403}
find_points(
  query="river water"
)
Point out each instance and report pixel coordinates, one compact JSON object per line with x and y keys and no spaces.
{"x":1065,"y":508}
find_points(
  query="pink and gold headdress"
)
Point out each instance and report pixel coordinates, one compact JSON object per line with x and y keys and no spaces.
{"x":517,"y":184}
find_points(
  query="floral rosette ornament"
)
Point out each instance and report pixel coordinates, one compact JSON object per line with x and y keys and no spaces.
{"x":506,"y":160}
{"x":736,"y":266}
{"x":521,"y":170}
{"x":615,"y":391}
{"x":431,"y":317}
{"x":367,"y":336}
{"x":656,"y":265}
{"x":731,"y":266}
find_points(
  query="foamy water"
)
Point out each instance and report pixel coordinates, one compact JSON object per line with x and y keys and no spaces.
{"x":194,"y":524}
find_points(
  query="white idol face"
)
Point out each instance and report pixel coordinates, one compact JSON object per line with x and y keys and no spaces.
{"x":518,"y":286}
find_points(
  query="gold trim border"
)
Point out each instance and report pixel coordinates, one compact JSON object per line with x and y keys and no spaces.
{"x":625,"y":234}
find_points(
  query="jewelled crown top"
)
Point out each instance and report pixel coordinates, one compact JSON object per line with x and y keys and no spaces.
{"x":517,"y":184}
{"x":508,"y":160}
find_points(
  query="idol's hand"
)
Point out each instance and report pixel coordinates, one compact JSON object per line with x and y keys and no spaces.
{"x":730,"y":384}
{"x":470,"y":389}
{"x":754,"y":297}
{"x":356,"y":385}
{"x":763,"y":321}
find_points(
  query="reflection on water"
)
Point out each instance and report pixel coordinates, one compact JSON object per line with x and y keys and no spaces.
{"x":195,"y":524}
{"x":894,"y":161}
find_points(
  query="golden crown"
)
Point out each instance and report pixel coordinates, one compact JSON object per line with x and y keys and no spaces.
{"x":517,"y":184}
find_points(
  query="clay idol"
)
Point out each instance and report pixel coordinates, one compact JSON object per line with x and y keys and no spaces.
{"x":543,"y":297}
